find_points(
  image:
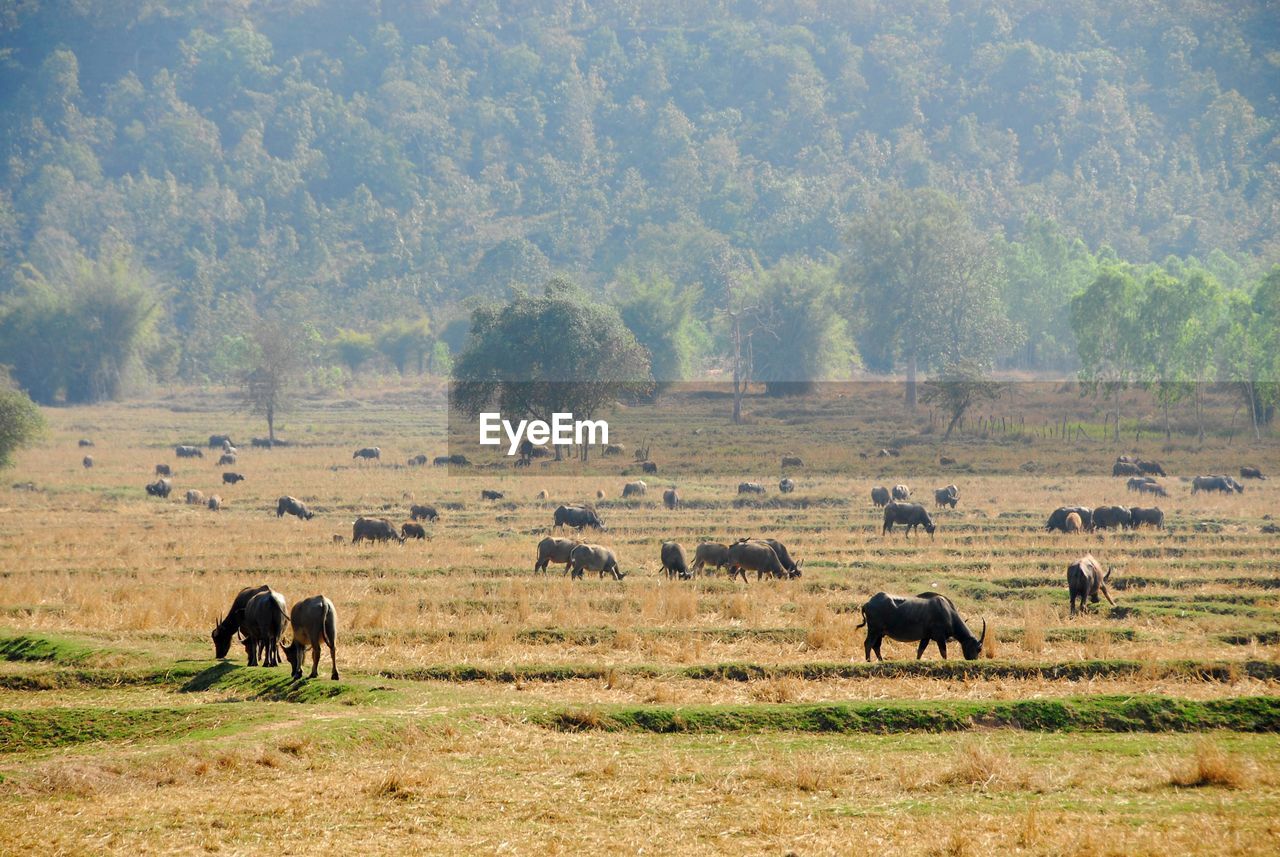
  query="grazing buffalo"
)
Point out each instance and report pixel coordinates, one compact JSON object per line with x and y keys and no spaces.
{"x":787,"y":485}
{"x":1225,"y":484}
{"x":710,"y":553}
{"x":750,"y":488}
{"x":1251,"y":473}
{"x":375,"y":530}
{"x":674,"y":561}
{"x":227,"y":459}
{"x":418,"y":460}
{"x":1112,"y":518}
{"x":164,"y":470}
{"x":784,"y":557}
{"x":912,"y":515}
{"x":231,"y":478}
{"x":368,"y":453}
{"x":1058,"y":520}
{"x":263,"y":626}
{"x":577,"y":517}
{"x":948,"y":496}
{"x":160,"y":488}
{"x":1135,"y":483}
{"x":218,"y":441}
{"x":293,"y":506}
{"x":614,"y":449}
{"x":671,"y":498}
{"x":880,"y":495}
{"x":552,"y":549}
{"x":1073,"y":524}
{"x":488,"y":494}
{"x":315,"y":623}
{"x":1151,"y":467}
{"x":649,"y":467}
{"x":410,"y":530}
{"x":456,"y":459}
{"x":84,"y":441}
{"x":1085,"y":580}
{"x":183,"y":451}
{"x":599,"y":494}
{"x":1153,"y":516}
{"x":1126,"y":468}
{"x":423,"y":513}
{"x":901,"y":492}
{"x":593,"y":558}
{"x":226,"y":629}
{"x":261,"y":443}
{"x":634,"y":489}
{"x":924,"y":618}
{"x":195,"y":498}
{"x":86,"y":462}
{"x":215,"y":503}
{"x":792,"y":461}
{"x":757,"y":556}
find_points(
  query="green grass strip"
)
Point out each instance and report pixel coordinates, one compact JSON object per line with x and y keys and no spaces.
{"x":46,"y":728}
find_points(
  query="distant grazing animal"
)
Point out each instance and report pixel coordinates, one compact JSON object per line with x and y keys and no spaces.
{"x":375,"y":530}
{"x":160,"y":488}
{"x":787,"y":485}
{"x":231,"y":478}
{"x":418,"y":460}
{"x":369,"y":453}
{"x":888,"y":453}
{"x":543,"y":495}
{"x":229,"y":450}
{"x":1112,"y":518}
{"x":227,"y":459}
{"x":671,"y":498}
{"x":750,"y":488}
{"x":218,"y":441}
{"x":228,"y":626}
{"x":946,"y":462}
{"x":757,"y":556}
{"x":183,"y":451}
{"x":1058,"y":520}
{"x":1153,"y":516}
{"x":948,"y":496}
{"x":260,"y":443}
{"x":792,"y":461}
{"x":599,"y":494}
{"x":338,"y":539}
{"x":912,"y":515}
{"x":423,"y":513}
{"x":1151,"y":467}
{"x":215,"y":503}
{"x":593,"y":558}
{"x":1125,"y":468}
{"x":487,"y":494}
{"x":710,"y":553}
{"x":1251,"y":473}
{"x":552,"y":549}
{"x":1135,"y":483}
{"x":1085,"y":580}
{"x":412,"y":531}
{"x":263,"y":626}
{"x":87,"y":462}
{"x":163,"y":470}
{"x":1214,"y":483}
{"x":674,"y":561}
{"x":901,"y":492}
{"x":784,"y":556}
{"x":577,"y":517}
{"x":880,"y":495}
{"x":84,"y":441}
{"x":456,"y":459}
{"x":924,"y":618}
{"x":634,"y":489}
{"x":1073,"y":524}
{"x":614,"y":449}
{"x":293,"y":506}
{"x":315,"y":624}
{"x":195,"y":498}
{"x":649,"y":466}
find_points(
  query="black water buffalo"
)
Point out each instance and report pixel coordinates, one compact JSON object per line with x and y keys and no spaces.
{"x":1135,"y":483}
{"x":577,"y":517}
{"x":184,"y":451}
{"x":671,"y":498}
{"x":84,"y":441}
{"x":1058,"y":520}
{"x":634,"y":489}
{"x":263,"y":626}
{"x":195,"y":497}
{"x":1251,"y":473}
{"x":750,"y":488}
{"x":163,"y":470}
{"x":368,"y":453}
{"x":1225,"y":484}
{"x":315,"y":623}
{"x":948,"y":496}
{"x":1151,"y":467}
{"x":912,"y":515}
{"x":710,"y":553}
{"x":792,"y":461}
{"x":787,"y":485}
{"x":674,"y":561}
{"x":488,"y":494}
{"x":227,"y":459}
{"x":593,"y":558}
{"x":757,"y":556}
{"x":228,"y":626}
{"x":375,"y":530}
{"x":456,"y":459}
{"x":552,"y":549}
{"x":1126,"y":468}
{"x":218,"y":441}
{"x":160,"y":488}
{"x":880,"y":495}
{"x":410,"y":530}
{"x":423,"y":513}
{"x":262,"y":443}
{"x":1085,"y":580}
{"x":924,"y":618}
{"x":418,"y":460}
{"x":1112,"y":518}
{"x":86,"y":462}
{"x":293,"y":506}
{"x":1153,"y":516}
{"x":901,"y":492}
{"x":231,"y":478}
{"x":649,"y":466}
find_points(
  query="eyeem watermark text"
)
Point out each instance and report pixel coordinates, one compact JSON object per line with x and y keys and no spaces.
{"x":563,"y":430}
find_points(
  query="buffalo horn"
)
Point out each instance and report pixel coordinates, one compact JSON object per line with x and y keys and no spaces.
{"x":983,"y":638}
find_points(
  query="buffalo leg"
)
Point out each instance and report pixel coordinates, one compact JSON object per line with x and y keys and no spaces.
{"x":942,"y":647}
{"x":315,"y":659}
{"x":924,"y":644}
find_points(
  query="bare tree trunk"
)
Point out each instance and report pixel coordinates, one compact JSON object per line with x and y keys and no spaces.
{"x":737,"y":367}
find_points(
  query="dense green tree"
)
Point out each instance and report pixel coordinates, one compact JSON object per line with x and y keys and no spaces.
{"x":1108,"y":328}
{"x":406,"y":343}
{"x":661,"y":316}
{"x":20,"y":423}
{"x":353,"y":348}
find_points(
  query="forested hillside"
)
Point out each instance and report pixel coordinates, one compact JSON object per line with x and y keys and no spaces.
{"x":373,"y":169}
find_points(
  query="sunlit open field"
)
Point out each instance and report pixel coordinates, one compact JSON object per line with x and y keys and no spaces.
{"x":485,"y":708}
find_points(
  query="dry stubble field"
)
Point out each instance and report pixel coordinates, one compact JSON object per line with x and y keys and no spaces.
{"x":485,"y":709}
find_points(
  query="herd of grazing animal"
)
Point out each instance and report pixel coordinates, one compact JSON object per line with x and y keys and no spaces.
{"x":258,"y":615}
